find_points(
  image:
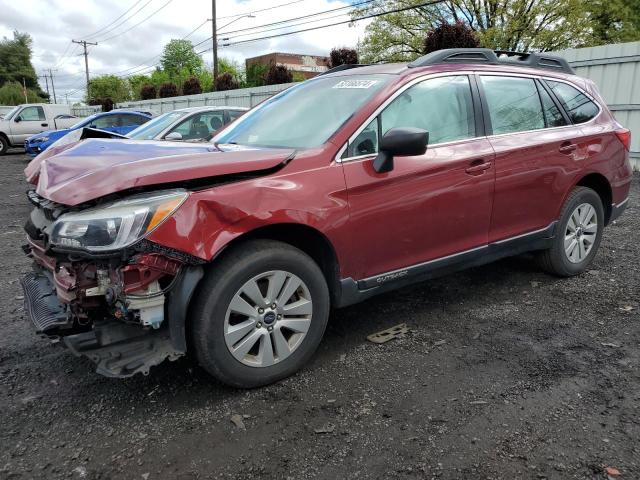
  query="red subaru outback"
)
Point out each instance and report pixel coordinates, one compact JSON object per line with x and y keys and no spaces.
{"x":344,"y":186}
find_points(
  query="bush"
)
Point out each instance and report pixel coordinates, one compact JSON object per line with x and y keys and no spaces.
{"x":226,"y":82}
{"x":447,"y":35}
{"x":107,"y":104}
{"x":191,"y":86}
{"x":343,"y":56}
{"x":168,"y":89}
{"x":148,"y":92}
{"x":278,"y":74}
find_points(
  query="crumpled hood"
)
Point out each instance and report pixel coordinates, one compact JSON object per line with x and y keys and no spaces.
{"x":94,"y":168}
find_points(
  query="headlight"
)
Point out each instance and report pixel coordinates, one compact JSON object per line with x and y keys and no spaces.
{"x":71,"y":137}
{"x":117,"y":225}
{"x":40,"y":139}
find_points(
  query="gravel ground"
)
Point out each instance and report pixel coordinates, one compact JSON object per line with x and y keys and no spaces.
{"x":506,"y":373}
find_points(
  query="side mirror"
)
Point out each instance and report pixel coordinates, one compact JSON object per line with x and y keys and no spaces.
{"x":401,"y":142}
{"x":18,"y":119}
{"x":173,"y":136}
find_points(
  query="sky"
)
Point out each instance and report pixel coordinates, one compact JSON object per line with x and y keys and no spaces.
{"x":133,"y":43}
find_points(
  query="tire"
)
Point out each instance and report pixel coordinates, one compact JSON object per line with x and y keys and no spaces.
{"x":4,"y":145}
{"x":217,"y":327}
{"x":557,"y":260}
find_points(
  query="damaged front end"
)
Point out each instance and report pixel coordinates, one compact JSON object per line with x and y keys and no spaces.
{"x":103,"y":289}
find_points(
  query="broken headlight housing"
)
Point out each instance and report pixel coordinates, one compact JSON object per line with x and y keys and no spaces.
{"x":116,"y":225}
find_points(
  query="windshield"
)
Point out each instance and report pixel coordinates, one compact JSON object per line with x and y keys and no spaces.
{"x":303,"y":116}
{"x":152,"y":128}
{"x":11,"y":113}
{"x":84,"y":121}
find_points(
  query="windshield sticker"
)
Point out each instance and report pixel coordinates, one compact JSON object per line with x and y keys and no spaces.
{"x":355,"y":84}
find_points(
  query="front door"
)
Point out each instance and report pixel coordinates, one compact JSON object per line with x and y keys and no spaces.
{"x":429,"y":206}
{"x":27,"y":122}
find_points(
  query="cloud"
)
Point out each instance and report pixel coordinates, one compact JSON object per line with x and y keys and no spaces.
{"x":53,"y":24}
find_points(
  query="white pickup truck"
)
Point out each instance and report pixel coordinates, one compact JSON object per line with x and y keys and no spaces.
{"x":31,"y":118}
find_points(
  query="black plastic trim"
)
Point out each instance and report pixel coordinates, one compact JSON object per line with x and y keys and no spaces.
{"x":354,"y":291}
{"x":617,"y":210}
{"x":555,"y":100}
{"x":178,"y":303}
{"x":486,"y":56}
{"x":478,"y":106}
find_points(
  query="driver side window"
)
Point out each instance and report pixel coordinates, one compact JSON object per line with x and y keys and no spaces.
{"x":31,"y":114}
{"x":442,"y":106}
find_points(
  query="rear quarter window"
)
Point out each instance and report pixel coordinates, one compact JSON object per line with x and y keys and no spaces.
{"x":577,"y":105}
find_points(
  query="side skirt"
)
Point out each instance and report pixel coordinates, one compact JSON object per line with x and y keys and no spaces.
{"x":354,"y":291}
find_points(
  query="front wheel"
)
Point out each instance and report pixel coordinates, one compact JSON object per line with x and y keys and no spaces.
{"x":578,"y":234}
{"x":259,"y":314}
{"x":4,"y":145}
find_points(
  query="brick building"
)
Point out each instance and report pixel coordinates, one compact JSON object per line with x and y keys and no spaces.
{"x":307,"y":65}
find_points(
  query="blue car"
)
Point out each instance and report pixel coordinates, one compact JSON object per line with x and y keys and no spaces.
{"x":116,"y":121}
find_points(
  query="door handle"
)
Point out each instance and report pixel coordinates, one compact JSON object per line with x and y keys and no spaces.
{"x":568,"y":148}
{"x":44,"y":124}
{"x":478,"y":167}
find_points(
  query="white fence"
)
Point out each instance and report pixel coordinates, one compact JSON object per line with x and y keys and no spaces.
{"x":244,"y":97}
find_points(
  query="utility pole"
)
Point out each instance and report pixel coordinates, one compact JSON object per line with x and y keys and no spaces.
{"x":46,"y":82}
{"x":84,"y":43}
{"x":53,"y":87}
{"x":214,"y":37}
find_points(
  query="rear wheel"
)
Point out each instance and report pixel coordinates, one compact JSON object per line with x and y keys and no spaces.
{"x":260,"y":314}
{"x":4,"y":145}
{"x":578,"y":234}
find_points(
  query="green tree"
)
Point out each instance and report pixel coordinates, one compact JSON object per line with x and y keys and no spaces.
{"x":522,"y":25}
{"x":136,"y":82}
{"x":615,"y":21}
{"x":108,"y":86}
{"x":11,"y":93}
{"x":255,"y":75}
{"x":16,"y":66}
{"x":179,"y":55}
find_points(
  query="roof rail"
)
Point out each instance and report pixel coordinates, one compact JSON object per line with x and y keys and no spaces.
{"x":487,"y":56}
{"x":344,"y":66}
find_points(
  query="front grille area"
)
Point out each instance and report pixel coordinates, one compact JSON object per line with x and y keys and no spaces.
{"x":42,"y":304}
{"x":51,"y":210}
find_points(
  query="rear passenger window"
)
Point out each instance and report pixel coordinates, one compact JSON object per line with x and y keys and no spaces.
{"x":577,"y":105}
{"x":552,"y":115}
{"x":513,"y":103}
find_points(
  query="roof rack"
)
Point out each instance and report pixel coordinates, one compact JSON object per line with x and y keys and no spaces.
{"x":487,"y":56}
{"x":344,"y":66}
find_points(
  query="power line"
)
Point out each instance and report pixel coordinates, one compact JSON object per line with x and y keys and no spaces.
{"x":364,"y":2}
{"x":280,"y":22}
{"x":140,"y":22}
{"x":114,"y":21}
{"x":125,"y":20}
{"x":261,"y":10}
{"x":372,"y":15}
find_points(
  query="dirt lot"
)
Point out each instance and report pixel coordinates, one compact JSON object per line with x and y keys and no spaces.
{"x":506,"y":373}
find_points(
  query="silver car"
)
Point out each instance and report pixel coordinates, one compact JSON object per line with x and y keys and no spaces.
{"x":194,"y":124}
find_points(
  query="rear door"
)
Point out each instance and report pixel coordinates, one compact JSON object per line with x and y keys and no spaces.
{"x":429,"y":206}
{"x":535,"y":146}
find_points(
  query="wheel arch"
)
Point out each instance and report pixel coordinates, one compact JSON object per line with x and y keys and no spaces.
{"x":599,"y":183}
{"x":308,"y":239}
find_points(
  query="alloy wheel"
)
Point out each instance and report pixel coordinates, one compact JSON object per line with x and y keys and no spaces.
{"x":581,"y":232}
{"x":268,"y":318}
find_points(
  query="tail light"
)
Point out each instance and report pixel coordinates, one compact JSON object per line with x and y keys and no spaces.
{"x":624,"y":135}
